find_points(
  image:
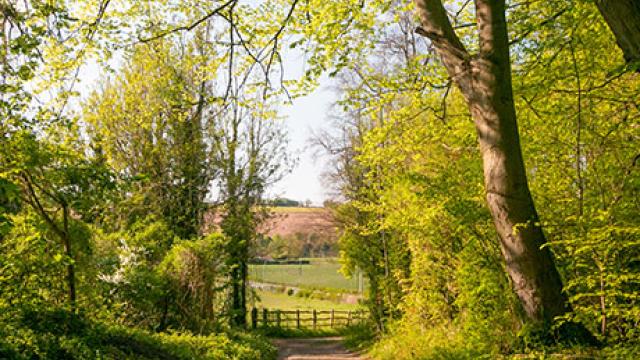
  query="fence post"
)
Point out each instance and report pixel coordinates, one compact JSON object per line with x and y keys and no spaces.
{"x":315,"y":319}
{"x":298,"y":319}
{"x":254,"y":318}
{"x":332,"y":317}
{"x":265,"y":317}
{"x":278,"y":318}
{"x":349,"y":318}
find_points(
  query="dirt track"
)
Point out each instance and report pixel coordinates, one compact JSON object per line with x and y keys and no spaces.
{"x":329,"y":348}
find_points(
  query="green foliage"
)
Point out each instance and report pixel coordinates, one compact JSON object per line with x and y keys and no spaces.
{"x":413,"y":181}
{"x":9,"y":203}
{"x":587,"y":193}
{"x":129,"y":282}
{"x":439,"y":342}
{"x":25,"y":30}
{"x":196,"y":274}
{"x":359,"y":337}
{"x":248,"y":148}
{"x":164,"y":154}
{"x":152,"y":279}
{"x":58,"y":334}
{"x":29,"y":248}
{"x":101,"y":210}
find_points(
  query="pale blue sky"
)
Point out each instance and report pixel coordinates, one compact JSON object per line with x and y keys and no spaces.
{"x":306,"y":113}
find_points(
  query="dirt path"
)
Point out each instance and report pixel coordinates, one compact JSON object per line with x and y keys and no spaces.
{"x":328,"y":348}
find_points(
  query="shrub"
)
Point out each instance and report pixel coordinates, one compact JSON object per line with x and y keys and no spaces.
{"x":58,"y":334}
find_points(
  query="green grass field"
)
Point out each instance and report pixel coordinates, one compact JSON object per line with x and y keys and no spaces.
{"x":321,"y":273}
{"x":282,"y":301}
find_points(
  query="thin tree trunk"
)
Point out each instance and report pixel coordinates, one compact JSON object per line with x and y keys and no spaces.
{"x":485,"y":81}
{"x":162,"y":326}
{"x":238,"y":292}
{"x":71,"y":273}
{"x":603,"y":305}
{"x":242,"y":315}
{"x":623,"y":18}
{"x":63,"y":233}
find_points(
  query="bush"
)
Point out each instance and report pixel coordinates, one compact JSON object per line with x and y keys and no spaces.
{"x":360,"y":336}
{"x":59,"y":334}
{"x":195,"y":272}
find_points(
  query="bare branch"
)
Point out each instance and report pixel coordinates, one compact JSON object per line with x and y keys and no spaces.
{"x":274,"y":49}
{"x":193,"y":25}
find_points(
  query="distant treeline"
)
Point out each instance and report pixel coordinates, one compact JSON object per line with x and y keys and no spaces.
{"x":284,"y":202}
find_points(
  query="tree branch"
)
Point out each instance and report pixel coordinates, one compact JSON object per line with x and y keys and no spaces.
{"x":191,"y":26}
{"x":435,"y":25}
{"x":37,"y":206}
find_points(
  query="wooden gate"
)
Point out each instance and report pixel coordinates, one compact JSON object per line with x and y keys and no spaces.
{"x":312,"y":319}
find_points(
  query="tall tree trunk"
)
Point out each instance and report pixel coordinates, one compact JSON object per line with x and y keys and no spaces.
{"x":485,"y":81}
{"x":531,"y":268}
{"x":623,"y":18}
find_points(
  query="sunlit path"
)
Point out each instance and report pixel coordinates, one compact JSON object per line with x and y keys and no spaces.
{"x":317,"y":349}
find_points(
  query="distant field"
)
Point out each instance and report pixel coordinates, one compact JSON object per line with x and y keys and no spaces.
{"x":321,"y":273}
{"x":282,"y":301}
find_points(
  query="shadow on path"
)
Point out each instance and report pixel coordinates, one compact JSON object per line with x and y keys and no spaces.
{"x":327,"y":348}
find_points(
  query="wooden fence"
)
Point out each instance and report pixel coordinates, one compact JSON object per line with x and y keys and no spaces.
{"x":305,"y":318}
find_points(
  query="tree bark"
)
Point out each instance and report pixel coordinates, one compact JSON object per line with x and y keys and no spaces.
{"x":623,"y":18}
{"x":485,"y":82}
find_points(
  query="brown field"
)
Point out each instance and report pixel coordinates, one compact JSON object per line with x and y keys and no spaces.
{"x":290,"y":221}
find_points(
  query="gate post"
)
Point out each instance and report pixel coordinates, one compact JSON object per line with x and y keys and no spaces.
{"x":254,"y":318}
{"x":265,"y":317}
{"x":315,"y":319}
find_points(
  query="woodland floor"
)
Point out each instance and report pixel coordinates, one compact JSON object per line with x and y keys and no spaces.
{"x":327,"y":348}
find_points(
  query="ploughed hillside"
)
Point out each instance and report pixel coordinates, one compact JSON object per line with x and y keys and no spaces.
{"x":293,"y":232}
{"x":288,"y":221}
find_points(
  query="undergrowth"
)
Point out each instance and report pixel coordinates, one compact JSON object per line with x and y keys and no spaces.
{"x":59,"y":334}
{"x":404,"y":342}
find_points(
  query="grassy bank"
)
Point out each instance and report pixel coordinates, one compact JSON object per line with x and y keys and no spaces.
{"x":58,"y":334}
